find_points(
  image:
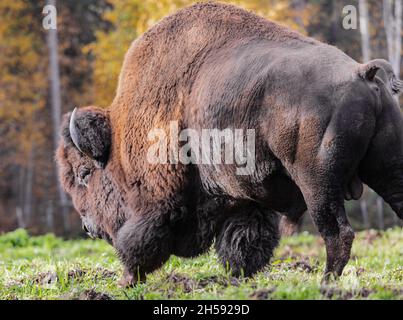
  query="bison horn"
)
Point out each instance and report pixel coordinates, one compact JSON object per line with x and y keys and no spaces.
{"x":91,"y":134}
{"x":74,"y":133}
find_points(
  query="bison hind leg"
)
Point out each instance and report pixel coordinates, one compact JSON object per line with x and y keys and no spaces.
{"x":247,"y":240}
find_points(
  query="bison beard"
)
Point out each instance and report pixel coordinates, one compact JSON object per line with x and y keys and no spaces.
{"x":143,"y":246}
{"x":324,"y":125}
{"x":247,"y":239}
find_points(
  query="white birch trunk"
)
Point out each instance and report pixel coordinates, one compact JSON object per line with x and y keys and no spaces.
{"x":28,"y":187}
{"x":19,"y":209}
{"x":379,"y":209}
{"x":392,"y":16}
{"x":364,"y":29}
{"x":20,"y":217}
{"x":56,"y":107}
{"x":49,"y":216}
{"x":398,"y":36}
{"x":364,"y":213}
{"x":388,"y":22}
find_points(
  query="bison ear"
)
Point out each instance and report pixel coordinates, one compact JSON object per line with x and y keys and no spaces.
{"x":91,"y":133}
{"x":369,"y":71}
{"x":388,"y":76}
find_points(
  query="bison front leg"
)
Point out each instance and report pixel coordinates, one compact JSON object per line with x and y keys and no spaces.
{"x":143,"y":244}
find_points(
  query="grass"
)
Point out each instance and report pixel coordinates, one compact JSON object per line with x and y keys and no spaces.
{"x":47,"y":267}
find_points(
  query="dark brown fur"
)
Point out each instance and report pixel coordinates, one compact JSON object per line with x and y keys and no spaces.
{"x":315,"y":111}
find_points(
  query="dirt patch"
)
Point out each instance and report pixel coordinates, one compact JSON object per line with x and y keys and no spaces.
{"x":100,"y":273}
{"x":51,"y":277}
{"x":46,"y":278}
{"x":12,"y":297}
{"x":14,"y":283}
{"x":178,"y":279}
{"x":398,"y":292}
{"x":94,"y":295}
{"x":262,"y":294}
{"x":304,"y":266}
{"x":300,"y":265}
{"x":76,"y":274}
{"x":105,"y":273}
{"x":337,"y":293}
{"x":189,"y":284}
{"x":360,"y":271}
{"x":289,"y":253}
{"x":223,"y":281}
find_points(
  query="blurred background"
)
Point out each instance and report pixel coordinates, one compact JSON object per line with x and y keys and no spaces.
{"x":45,"y":73}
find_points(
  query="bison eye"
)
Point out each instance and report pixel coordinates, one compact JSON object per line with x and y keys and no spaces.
{"x":83,"y":176}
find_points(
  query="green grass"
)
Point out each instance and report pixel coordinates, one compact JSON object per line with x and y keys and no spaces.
{"x":47,"y":267}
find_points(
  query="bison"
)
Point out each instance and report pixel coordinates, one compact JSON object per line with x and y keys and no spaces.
{"x":324,"y":126}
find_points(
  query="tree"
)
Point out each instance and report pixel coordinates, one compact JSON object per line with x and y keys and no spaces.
{"x":364,"y":28}
{"x":21,"y":99}
{"x":366,"y":56}
{"x":325,"y":24}
{"x":393,"y":29}
{"x":56,"y":107}
{"x":28,"y":192}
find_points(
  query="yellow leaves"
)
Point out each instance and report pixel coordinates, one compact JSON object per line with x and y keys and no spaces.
{"x":22,"y":78}
{"x":12,"y":6}
{"x":276,"y":10}
{"x":131,"y":18}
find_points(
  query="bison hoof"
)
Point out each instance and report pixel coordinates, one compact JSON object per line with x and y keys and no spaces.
{"x":288,"y":227}
{"x":329,"y":277}
{"x":130,"y":280}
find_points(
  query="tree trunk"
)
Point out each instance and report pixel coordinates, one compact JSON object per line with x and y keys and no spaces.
{"x":49,"y":216}
{"x":364,"y":213}
{"x":393,"y":26}
{"x":19,"y":209}
{"x":56,"y":107}
{"x":387,"y":20}
{"x":20,"y":217}
{"x":379,"y":210}
{"x":364,"y":29}
{"x":398,"y":36}
{"x":28,"y":186}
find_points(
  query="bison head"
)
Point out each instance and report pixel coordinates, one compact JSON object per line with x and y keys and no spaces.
{"x":82,"y":157}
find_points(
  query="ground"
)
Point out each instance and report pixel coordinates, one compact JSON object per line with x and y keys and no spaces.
{"x":47,"y":267}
